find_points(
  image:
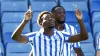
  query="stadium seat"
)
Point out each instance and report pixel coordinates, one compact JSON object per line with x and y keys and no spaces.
{"x":14,"y":0}
{"x":0,"y":37}
{"x":90,"y":39}
{"x":96,"y":17}
{"x":12,"y":17}
{"x":18,"y":49}
{"x":35,"y":27}
{"x":96,"y":28}
{"x":8,"y":29}
{"x":70,"y":16}
{"x":7,"y":6}
{"x":94,"y":6}
{"x":42,"y":0}
{"x":69,"y":6}
{"x":41,"y":6}
{"x":94,"y":0}
{"x":74,"y":0}
{"x":34,"y":18}
{"x":76,"y":25}
{"x":17,"y":54}
{"x":88,"y":49}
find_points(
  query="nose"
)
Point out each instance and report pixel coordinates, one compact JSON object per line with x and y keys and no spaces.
{"x":52,"y":20}
{"x":62,"y":14}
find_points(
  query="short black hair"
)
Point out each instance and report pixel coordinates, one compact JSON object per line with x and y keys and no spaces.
{"x":53,"y":9}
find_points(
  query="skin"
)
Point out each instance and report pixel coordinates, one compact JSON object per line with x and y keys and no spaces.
{"x":48,"y":21}
{"x":97,"y":53}
{"x":28,"y":15}
{"x":59,"y":15}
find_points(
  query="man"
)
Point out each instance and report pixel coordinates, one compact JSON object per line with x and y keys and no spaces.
{"x":98,"y":44}
{"x":48,"y":42}
{"x":59,"y":15}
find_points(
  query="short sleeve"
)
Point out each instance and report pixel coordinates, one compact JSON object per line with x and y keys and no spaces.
{"x":98,"y":42}
{"x":66,"y":36}
{"x":76,"y":45}
{"x":73,"y":30}
{"x":30,"y":36}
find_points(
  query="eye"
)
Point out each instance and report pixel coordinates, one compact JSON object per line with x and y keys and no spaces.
{"x":44,"y":20}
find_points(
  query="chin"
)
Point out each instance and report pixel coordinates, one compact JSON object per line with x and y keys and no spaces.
{"x":51,"y":27}
{"x":61,"y":22}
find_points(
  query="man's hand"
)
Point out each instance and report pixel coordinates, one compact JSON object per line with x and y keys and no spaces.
{"x":78,"y":14}
{"x":28,"y":14}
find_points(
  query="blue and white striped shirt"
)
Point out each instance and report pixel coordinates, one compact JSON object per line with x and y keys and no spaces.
{"x":44,"y":45}
{"x":68,"y":47}
{"x":98,"y":41}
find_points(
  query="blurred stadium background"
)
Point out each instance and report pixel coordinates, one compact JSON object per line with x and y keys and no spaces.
{"x":12,"y":13}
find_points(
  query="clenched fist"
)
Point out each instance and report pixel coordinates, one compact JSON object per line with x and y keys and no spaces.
{"x":28,"y":14}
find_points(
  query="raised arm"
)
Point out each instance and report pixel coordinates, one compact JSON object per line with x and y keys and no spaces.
{"x":17,"y":33}
{"x":83,"y":35}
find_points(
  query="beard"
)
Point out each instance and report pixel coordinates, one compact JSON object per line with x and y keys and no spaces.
{"x":51,"y":27}
{"x":60,"y":22}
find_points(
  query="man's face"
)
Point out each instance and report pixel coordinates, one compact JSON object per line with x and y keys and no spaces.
{"x":48,"y":21}
{"x":59,"y":15}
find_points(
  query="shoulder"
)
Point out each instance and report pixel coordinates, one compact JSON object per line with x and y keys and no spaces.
{"x":69,"y":25}
{"x":62,"y":33}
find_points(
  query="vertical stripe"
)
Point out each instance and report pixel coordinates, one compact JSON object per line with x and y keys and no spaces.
{"x":53,"y":46}
{"x":68,"y":48}
{"x":56,"y":47}
{"x":45,"y":50}
{"x":34,"y":46}
{"x":39,"y":45}
{"x":48,"y":46}
{"x":79,"y":45}
{"x":65,"y":49}
{"x":42,"y":45}
{"x":75,"y":44}
{"x":59,"y":43}
{"x":66,"y":29}
{"x":69,"y":44}
{"x":99,"y":44}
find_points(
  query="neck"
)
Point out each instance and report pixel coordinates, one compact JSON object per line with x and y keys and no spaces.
{"x":48,"y":32}
{"x":59,"y":26}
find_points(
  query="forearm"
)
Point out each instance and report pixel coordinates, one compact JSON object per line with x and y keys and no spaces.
{"x":17,"y":33}
{"x":78,"y":52}
{"x":98,"y":53}
{"x":83,"y":32}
